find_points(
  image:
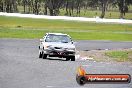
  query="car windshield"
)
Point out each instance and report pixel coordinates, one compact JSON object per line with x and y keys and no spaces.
{"x":58,"y":38}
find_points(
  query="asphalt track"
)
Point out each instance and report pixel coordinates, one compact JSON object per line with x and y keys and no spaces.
{"x":20,"y":66}
{"x":99,"y":45}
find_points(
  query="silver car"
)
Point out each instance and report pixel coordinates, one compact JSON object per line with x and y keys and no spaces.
{"x":57,"y":45}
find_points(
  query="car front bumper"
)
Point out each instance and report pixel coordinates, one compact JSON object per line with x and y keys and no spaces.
{"x":59,"y":53}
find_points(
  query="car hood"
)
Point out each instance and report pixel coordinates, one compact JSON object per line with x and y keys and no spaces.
{"x":59,"y":44}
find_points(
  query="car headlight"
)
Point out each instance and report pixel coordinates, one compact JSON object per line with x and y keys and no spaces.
{"x":47,"y":46}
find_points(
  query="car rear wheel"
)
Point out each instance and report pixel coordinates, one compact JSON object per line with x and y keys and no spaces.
{"x":44,"y":56}
{"x":72,"y":58}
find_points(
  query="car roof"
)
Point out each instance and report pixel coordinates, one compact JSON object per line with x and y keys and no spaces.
{"x":56,"y":33}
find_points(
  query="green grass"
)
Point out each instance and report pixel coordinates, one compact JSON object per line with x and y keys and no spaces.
{"x":120,"y":55}
{"x":94,"y":13}
{"x":14,"y":27}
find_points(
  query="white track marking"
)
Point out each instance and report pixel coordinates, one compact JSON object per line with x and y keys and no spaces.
{"x":97,"y":19}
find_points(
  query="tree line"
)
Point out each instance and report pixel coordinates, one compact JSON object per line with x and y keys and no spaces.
{"x":52,"y":7}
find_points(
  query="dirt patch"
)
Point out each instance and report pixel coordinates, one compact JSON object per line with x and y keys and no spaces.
{"x":100,"y":55}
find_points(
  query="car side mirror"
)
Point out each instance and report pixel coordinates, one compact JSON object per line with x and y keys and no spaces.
{"x":41,"y":40}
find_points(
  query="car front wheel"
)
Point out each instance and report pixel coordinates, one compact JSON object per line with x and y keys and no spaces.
{"x":67,"y":58}
{"x":44,"y":56}
{"x":72,"y":58}
{"x":40,"y":55}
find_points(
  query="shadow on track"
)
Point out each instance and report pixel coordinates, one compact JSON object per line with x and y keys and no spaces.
{"x":59,"y":59}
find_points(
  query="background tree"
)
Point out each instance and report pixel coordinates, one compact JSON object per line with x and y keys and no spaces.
{"x":123,"y":6}
{"x":103,"y":4}
{"x":68,"y":7}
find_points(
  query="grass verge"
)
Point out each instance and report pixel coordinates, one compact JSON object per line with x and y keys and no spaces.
{"x":120,"y":55}
{"x":15,"y":27}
